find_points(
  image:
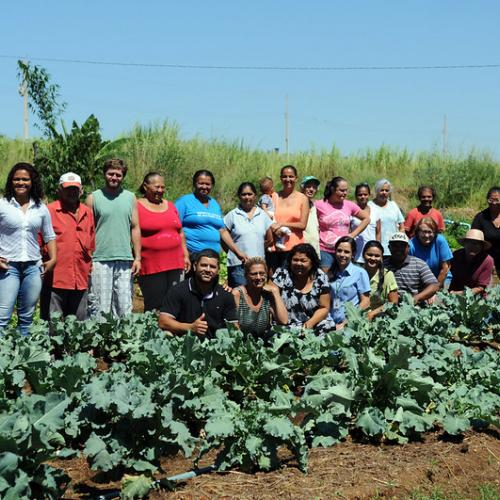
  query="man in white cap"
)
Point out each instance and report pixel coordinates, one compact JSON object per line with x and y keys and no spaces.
{"x":65,"y":289}
{"x":412,"y":274}
{"x":471,"y":266}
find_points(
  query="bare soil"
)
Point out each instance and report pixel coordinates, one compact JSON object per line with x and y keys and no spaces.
{"x":457,"y":468}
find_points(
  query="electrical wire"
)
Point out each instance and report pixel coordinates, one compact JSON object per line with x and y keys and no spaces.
{"x":255,"y":68}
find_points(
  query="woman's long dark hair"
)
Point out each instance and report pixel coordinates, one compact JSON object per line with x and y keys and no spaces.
{"x":309,"y":251}
{"x":381,"y":275}
{"x":342,"y":239}
{"x":36,"y":191}
{"x":331,"y":186}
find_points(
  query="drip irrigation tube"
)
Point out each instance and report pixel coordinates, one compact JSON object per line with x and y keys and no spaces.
{"x":160,"y":482}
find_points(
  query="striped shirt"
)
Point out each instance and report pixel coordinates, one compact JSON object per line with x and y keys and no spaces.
{"x":19,"y":230}
{"x":413,"y":275}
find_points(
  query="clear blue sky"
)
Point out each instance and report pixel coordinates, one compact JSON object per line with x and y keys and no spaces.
{"x":352,"y":109}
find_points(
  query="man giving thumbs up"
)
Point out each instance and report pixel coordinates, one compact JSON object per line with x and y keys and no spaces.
{"x":198,"y":304}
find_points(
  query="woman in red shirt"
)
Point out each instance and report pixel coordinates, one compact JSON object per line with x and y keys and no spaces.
{"x":165,"y":257}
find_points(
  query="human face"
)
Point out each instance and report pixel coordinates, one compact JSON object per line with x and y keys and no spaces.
{"x":257,"y":276}
{"x":310,"y":189}
{"x":206,"y":269}
{"x":472,"y":248}
{"x":494,"y":200}
{"x":426,"y":198}
{"x":343,"y":254}
{"x":288,"y":179}
{"x":247,"y":199}
{"x":203,"y":186}
{"x":425,"y":234}
{"x":399,"y":250}
{"x":154,"y":189}
{"x":383,"y":194}
{"x":362,"y":196}
{"x":373,"y":257}
{"x":70,"y":194}
{"x":113,"y":178}
{"x":21,"y":183}
{"x":340,"y":193}
{"x":301,"y":265}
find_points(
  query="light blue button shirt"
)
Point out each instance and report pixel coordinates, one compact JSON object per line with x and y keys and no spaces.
{"x":348,"y":286}
{"x":248,"y":234}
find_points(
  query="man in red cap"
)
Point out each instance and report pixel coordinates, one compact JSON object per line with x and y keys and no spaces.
{"x":65,"y":289}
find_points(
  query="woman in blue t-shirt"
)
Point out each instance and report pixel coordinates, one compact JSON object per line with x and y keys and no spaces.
{"x":432,"y":248}
{"x":201,"y":218}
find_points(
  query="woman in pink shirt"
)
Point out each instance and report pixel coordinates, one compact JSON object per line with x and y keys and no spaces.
{"x":334,"y":217}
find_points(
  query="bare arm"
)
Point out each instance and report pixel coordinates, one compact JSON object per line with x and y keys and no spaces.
{"x":187,"y":261}
{"x":228,"y":241}
{"x":90,"y":202}
{"x":378,"y":230}
{"x":364,"y":301}
{"x":443,"y":272}
{"x":393,"y":298}
{"x":167,"y":322}
{"x":48,"y":265}
{"x":321,"y":312}
{"x":426,"y":293}
{"x":278,"y":308}
{"x":135,"y":235}
{"x":364,"y":217}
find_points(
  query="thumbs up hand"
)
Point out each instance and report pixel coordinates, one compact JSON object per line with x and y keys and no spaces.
{"x":200,"y":326}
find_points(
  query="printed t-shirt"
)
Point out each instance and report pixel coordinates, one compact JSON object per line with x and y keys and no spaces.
{"x":113,"y":218}
{"x":377,"y":299}
{"x":284,"y":214}
{"x":348,"y":286}
{"x":201,"y":224}
{"x":471,"y":274}
{"x":248,"y":234}
{"x":334,"y":221}
{"x":185,"y":303}
{"x":434,"y":254}
{"x":160,"y":240}
{"x":75,"y":242}
{"x":390,"y":217}
{"x":267,"y":200}
{"x":414,"y":215}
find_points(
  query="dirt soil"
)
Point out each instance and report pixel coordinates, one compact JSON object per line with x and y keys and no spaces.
{"x":457,"y":468}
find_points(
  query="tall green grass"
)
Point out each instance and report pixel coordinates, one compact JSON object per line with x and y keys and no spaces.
{"x":460,"y":180}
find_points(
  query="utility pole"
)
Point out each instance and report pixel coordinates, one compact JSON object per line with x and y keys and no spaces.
{"x":286,"y":126}
{"x":23,"y":91}
{"x":445,"y":135}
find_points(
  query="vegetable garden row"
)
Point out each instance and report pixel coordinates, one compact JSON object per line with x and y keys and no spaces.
{"x":393,"y":378}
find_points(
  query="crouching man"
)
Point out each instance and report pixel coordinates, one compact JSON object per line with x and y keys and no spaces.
{"x":412,"y":274}
{"x":199,"y":303}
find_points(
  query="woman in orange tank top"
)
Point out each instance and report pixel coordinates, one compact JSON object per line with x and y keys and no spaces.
{"x":291,"y":210}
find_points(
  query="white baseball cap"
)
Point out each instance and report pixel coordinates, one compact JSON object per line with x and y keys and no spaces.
{"x":70,"y":179}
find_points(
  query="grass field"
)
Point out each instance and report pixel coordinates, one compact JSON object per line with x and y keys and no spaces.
{"x":460,"y":180}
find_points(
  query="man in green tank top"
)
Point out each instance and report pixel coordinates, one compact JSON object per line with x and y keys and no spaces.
{"x":117,"y":256}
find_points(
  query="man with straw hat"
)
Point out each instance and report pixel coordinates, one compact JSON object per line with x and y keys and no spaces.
{"x":471,"y":266}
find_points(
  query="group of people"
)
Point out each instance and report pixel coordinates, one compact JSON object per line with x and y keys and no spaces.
{"x":291,"y":259}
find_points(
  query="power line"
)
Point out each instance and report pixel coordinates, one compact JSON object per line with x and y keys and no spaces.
{"x":256,"y":68}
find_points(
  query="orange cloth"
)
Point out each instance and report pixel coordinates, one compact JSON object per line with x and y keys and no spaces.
{"x":284,"y":214}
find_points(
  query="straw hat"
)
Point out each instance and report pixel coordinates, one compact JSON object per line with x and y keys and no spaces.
{"x":475,"y":235}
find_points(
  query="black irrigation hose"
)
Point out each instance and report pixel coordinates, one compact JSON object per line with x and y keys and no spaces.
{"x":166,"y":482}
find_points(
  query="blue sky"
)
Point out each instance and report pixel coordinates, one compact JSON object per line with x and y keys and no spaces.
{"x":351,"y":109}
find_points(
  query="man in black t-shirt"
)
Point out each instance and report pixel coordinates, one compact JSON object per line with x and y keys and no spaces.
{"x":198,"y":304}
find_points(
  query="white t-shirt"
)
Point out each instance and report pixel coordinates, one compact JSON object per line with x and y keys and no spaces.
{"x":390,"y":217}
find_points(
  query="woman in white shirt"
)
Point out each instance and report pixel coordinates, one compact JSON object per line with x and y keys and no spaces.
{"x":23,"y":216}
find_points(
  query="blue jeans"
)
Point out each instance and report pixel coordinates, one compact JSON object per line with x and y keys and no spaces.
{"x":327,"y":259}
{"x":20,"y":283}
{"x":236,"y":276}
